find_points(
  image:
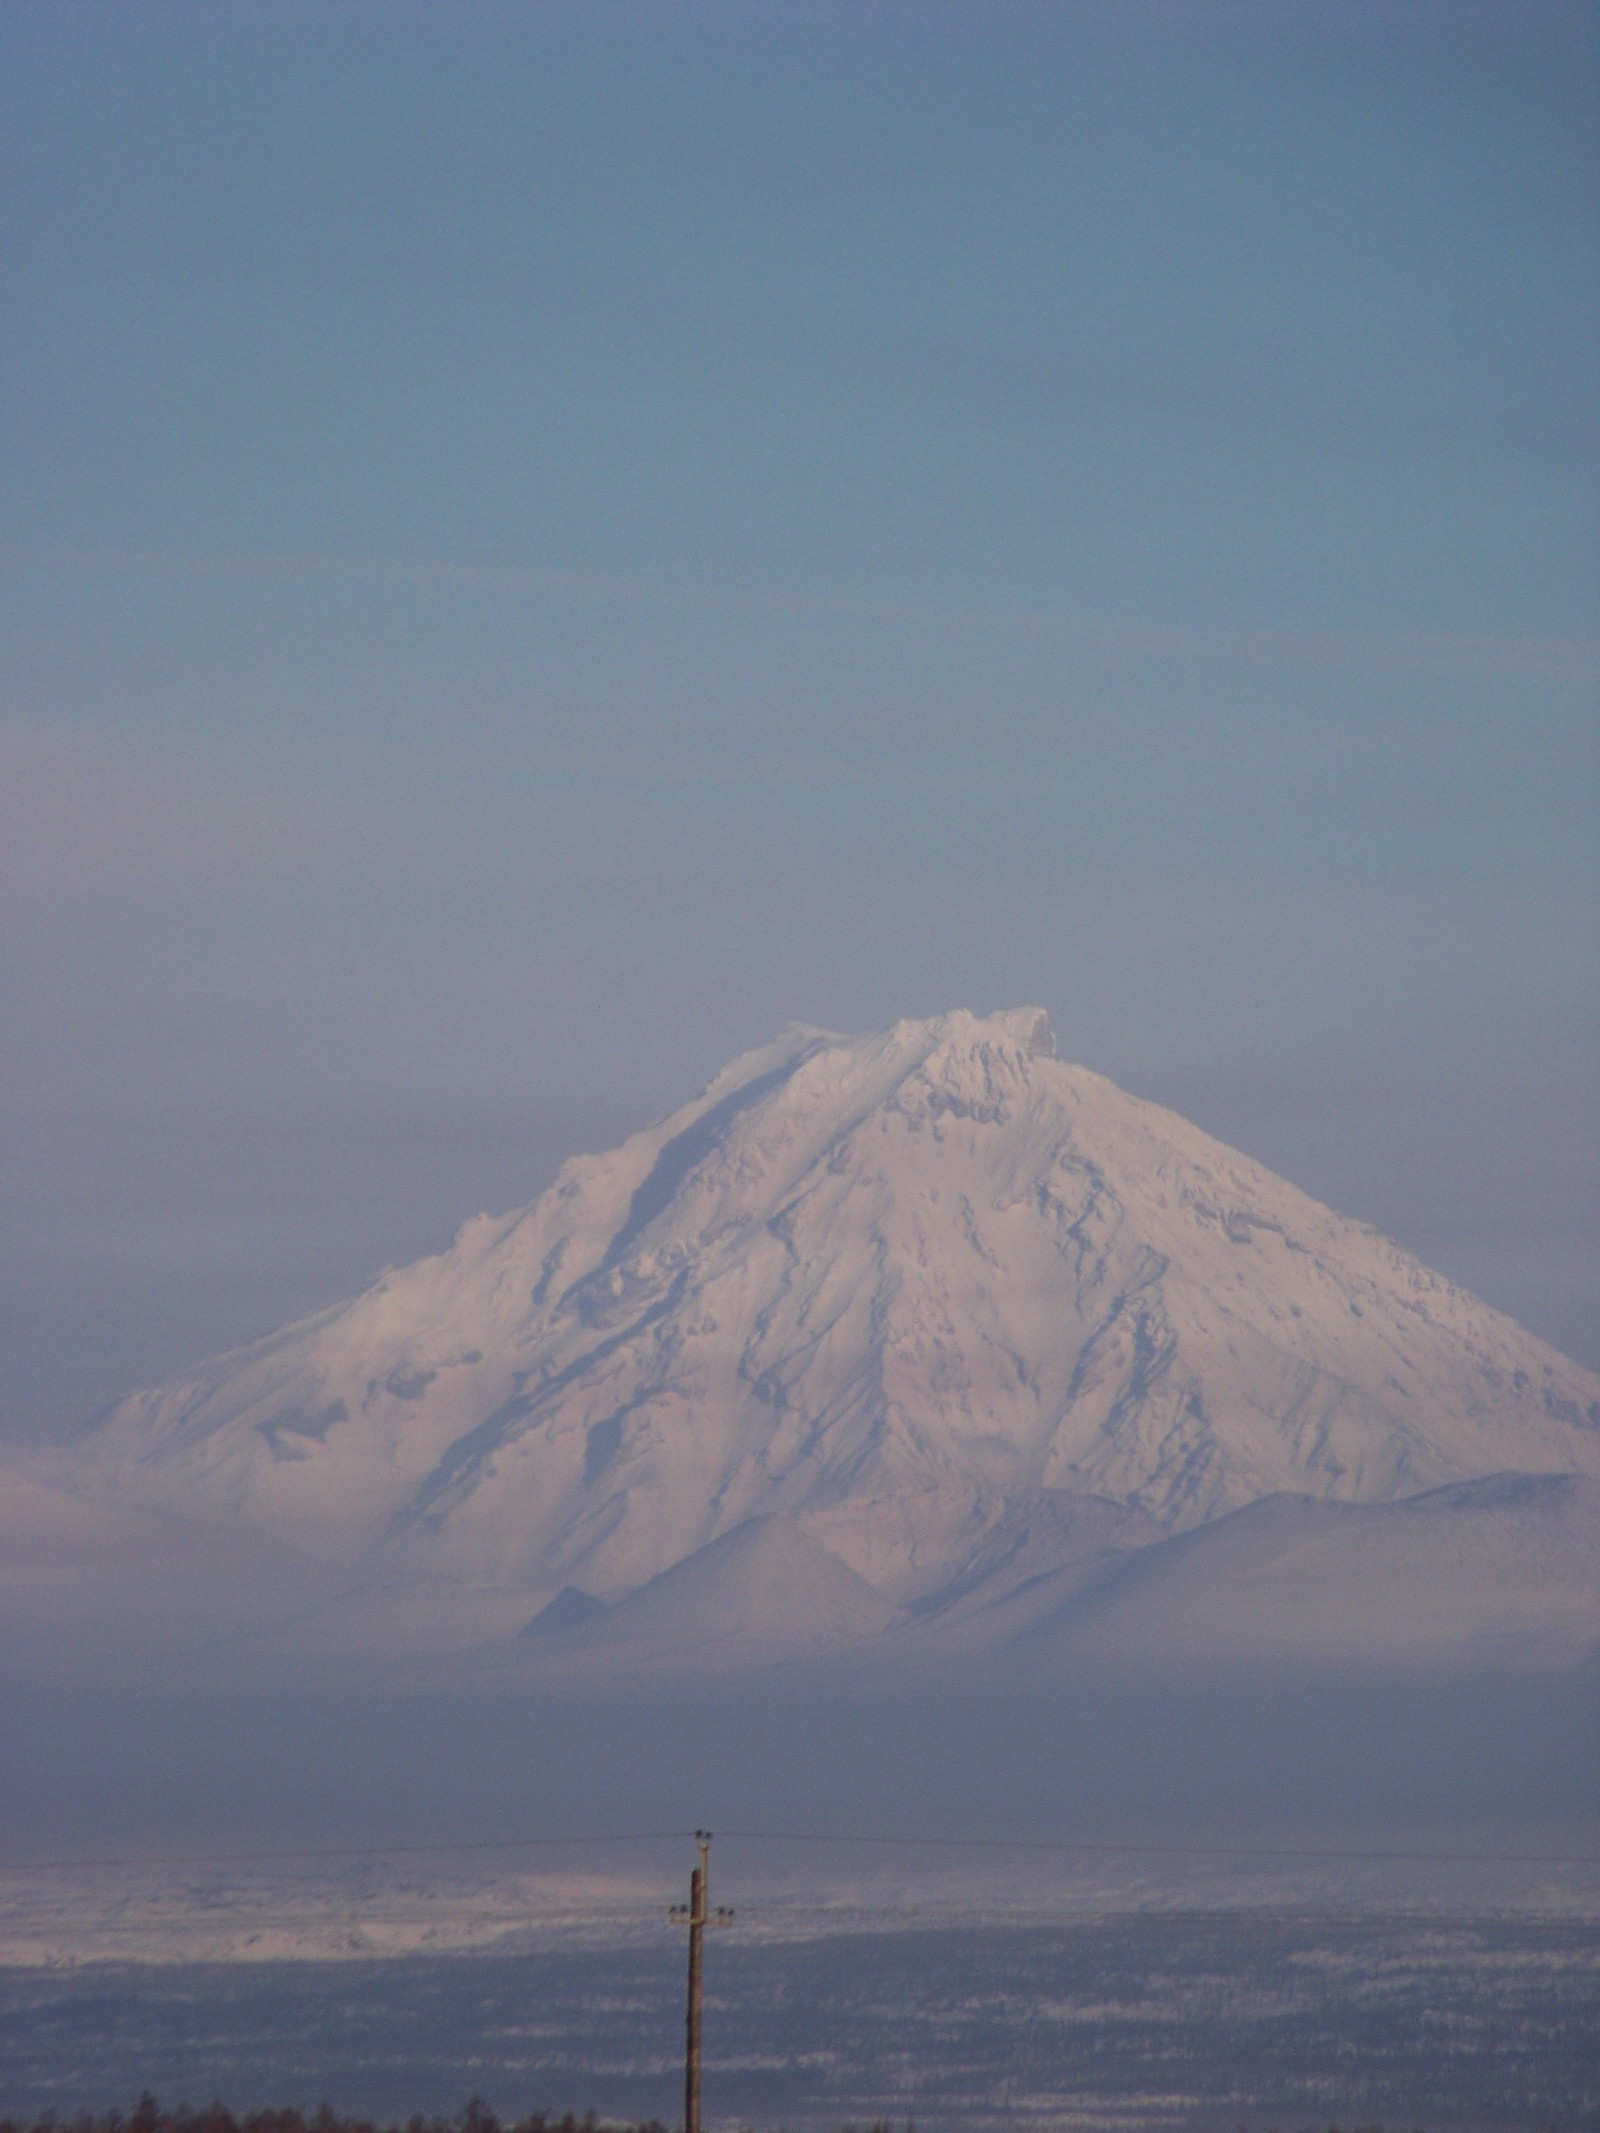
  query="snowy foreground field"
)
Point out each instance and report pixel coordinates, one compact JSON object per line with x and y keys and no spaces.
{"x":1220,"y":2016}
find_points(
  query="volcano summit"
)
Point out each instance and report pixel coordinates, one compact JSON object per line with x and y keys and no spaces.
{"x":913,"y":1341}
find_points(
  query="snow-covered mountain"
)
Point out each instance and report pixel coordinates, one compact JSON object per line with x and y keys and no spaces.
{"x":923,"y":1335}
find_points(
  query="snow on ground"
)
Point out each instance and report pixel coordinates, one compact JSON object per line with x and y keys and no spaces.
{"x":361,"y":1908}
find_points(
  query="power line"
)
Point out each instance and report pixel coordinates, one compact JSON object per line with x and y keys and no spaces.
{"x":1066,"y":1846}
{"x":342,"y":1851}
{"x":1164,"y":1851}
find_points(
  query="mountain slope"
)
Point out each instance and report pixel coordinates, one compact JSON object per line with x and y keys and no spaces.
{"x":960,"y":1313}
{"x":1500,"y":1570}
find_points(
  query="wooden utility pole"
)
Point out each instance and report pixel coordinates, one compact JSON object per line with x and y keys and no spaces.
{"x":696,"y":1915}
{"x":691,"y":2054}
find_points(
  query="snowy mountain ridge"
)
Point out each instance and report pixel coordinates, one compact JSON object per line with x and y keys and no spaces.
{"x":932,"y":1310}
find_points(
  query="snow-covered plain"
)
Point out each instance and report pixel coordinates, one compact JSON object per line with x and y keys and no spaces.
{"x":377,"y":1906}
{"x":904,"y":1345}
{"x":1188,"y":2022}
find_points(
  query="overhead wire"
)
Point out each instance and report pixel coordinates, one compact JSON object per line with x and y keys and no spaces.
{"x":1168,"y":1851}
{"x":1085,"y":1847}
{"x":336,"y":1851}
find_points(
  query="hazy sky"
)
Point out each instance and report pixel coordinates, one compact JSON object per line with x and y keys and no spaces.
{"x":544,"y":541}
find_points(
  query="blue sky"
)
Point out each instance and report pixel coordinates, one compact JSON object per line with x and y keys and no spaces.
{"x":542,"y":542}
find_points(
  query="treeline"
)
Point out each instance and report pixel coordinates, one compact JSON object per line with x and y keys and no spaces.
{"x":148,"y":2116}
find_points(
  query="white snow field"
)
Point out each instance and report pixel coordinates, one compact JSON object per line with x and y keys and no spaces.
{"x":911,"y":1343}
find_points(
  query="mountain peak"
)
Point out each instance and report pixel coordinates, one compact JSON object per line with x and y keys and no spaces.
{"x":1020,"y":1029}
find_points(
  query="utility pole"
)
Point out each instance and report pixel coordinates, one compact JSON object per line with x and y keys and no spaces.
{"x":696,"y":1914}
